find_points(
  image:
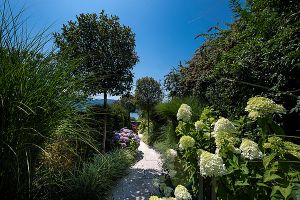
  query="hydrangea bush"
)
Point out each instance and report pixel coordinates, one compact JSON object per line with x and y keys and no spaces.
{"x":244,"y":157}
{"x":126,"y":138}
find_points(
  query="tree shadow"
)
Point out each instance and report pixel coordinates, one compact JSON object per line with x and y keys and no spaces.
{"x":137,"y":185}
{"x":139,"y":156}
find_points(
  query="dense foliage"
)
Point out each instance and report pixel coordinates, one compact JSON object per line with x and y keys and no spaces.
{"x":257,"y":55}
{"x":245,"y":158}
{"x":49,"y":149}
{"x":106,"y":50}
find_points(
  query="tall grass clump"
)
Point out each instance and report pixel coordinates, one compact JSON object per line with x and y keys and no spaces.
{"x":96,"y":178}
{"x":37,"y":91}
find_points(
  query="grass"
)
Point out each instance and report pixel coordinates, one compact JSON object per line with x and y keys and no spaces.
{"x":96,"y":179}
{"x":37,"y":92}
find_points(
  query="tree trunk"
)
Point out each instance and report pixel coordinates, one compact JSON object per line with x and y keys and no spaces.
{"x":105,"y":122}
{"x":148,"y":122}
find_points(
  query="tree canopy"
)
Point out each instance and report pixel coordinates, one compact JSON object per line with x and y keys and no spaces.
{"x":105,"y":50}
{"x":148,"y":93}
{"x":258,"y":54}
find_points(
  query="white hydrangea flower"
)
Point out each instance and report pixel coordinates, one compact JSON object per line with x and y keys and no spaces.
{"x":154,"y":198}
{"x":261,"y":106}
{"x":223,"y":125}
{"x":184,"y":113}
{"x":211,"y":165}
{"x":250,"y":150}
{"x":199,"y":125}
{"x":186,"y":142}
{"x":181,"y":193}
{"x":171,"y":154}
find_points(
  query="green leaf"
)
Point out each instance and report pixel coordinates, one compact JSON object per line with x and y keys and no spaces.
{"x":274,"y":190}
{"x":268,"y":159}
{"x":286,"y":192}
{"x":271,"y":177}
{"x":245,"y":169}
{"x":258,"y":176}
{"x":241,"y":183}
{"x":262,"y":184}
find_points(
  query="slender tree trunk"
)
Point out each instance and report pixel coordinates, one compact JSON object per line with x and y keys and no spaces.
{"x":105,"y":121}
{"x":148,"y":122}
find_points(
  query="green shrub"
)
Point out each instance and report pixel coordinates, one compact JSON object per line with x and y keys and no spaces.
{"x":96,"y":179}
{"x":257,"y":55}
{"x":248,"y":158}
{"x":37,"y":91}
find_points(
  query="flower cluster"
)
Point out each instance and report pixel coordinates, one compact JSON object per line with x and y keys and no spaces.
{"x":259,"y":107}
{"x":125,"y":138}
{"x":184,"y":113}
{"x":154,"y":198}
{"x":211,"y":165}
{"x":199,"y":125}
{"x":181,"y":193}
{"x":171,"y":154}
{"x":250,"y":150}
{"x":186,"y":142}
{"x":223,"y":125}
{"x":163,"y":198}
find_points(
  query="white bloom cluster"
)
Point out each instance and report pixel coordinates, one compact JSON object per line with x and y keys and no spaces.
{"x":181,"y":193}
{"x":163,"y":198}
{"x":211,"y":165}
{"x":184,"y":113}
{"x":199,"y":125}
{"x":261,"y":106}
{"x":171,"y":154}
{"x":223,"y":125}
{"x":154,"y":198}
{"x":250,"y":150}
{"x":186,"y":142}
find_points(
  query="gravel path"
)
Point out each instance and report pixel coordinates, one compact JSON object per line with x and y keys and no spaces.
{"x":137,"y":185}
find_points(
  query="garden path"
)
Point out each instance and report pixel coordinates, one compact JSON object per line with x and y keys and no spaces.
{"x":138,"y":184}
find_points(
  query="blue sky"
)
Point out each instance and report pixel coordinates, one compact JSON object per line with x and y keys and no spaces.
{"x":165,"y":29}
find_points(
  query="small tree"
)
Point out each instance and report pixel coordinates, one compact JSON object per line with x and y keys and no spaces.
{"x":105,"y":50}
{"x":127,"y":101}
{"x":147,"y":94}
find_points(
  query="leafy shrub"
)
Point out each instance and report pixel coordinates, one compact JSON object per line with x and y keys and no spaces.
{"x":97,"y":178}
{"x":248,"y":158}
{"x":256,"y":55}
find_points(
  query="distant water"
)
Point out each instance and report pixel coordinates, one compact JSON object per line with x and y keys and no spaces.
{"x":135,"y":115}
{"x":92,"y":102}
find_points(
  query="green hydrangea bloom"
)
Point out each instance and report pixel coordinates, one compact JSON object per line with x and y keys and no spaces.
{"x":186,"y":142}
{"x":259,"y":107}
{"x":199,"y":125}
{"x":223,"y":125}
{"x":184,"y":113}
{"x":154,"y":198}
{"x":211,"y":165}
{"x":181,"y":193}
{"x":250,"y":150}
